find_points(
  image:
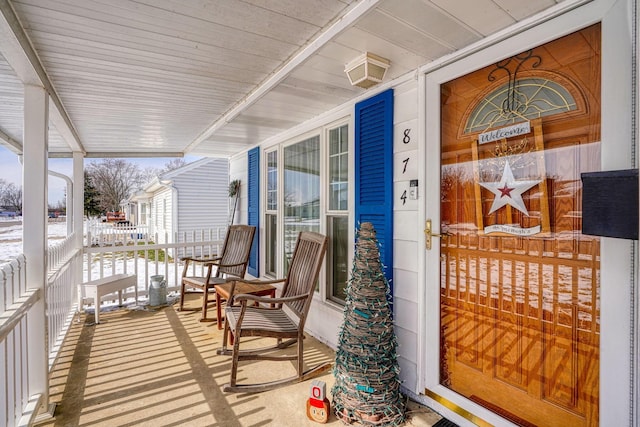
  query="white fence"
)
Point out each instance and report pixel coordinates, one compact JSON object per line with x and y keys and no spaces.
{"x":64,"y":265}
{"x":16,"y":329}
{"x":68,"y":266}
{"x":105,"y":233}
{"x":142,"y":256}
{"x":21,"y":326}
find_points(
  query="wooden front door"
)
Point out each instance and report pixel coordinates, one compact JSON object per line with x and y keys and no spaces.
{"x":519,"y":307}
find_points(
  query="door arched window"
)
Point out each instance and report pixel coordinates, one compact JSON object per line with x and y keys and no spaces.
{"x":525,"y":99}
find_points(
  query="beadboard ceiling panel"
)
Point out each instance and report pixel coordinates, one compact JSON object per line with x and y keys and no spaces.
{"x":11,"y":107}
{"x":214,"y":77}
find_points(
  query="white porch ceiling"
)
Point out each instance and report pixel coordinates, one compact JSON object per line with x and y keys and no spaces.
{"x":213,"y":77}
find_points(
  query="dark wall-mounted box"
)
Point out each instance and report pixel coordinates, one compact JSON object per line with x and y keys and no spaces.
{"x":610,"y":203}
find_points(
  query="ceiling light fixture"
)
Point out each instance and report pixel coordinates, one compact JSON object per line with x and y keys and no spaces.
{"x":367,"y":70}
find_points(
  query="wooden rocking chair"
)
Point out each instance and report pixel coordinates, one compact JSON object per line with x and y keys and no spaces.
{"x":249,"y":319}
{"x":232,"y":263}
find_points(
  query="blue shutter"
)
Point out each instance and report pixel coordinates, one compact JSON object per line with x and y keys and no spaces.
{"x":253,"y":208}
{"x":374,"y":172}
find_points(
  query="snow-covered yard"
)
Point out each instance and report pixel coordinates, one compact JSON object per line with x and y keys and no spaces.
{"x":11,"y":237}
{"x":145,"y":265}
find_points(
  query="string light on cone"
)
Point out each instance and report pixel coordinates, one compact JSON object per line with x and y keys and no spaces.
{"x":367,"y":387}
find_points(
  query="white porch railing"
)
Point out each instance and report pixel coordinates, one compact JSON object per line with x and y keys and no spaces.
{"x":126,"y":255}
{"x":145,"y":257}
{"x":105,"y":233}
{"x":62,"y":292}
{"x":16,"y":324}
{"x":20,"y":404}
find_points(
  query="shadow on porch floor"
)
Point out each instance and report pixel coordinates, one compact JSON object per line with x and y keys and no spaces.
{"x":159,"y":367}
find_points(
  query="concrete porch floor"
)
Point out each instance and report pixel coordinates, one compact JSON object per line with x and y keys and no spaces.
{"x":158,"y":367}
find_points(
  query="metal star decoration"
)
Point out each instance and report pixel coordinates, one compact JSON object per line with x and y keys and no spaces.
{"x":508,"y":191}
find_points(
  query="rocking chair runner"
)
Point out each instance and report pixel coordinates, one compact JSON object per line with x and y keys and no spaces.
{"x":249,"y":320}
{"x":232,"y":263}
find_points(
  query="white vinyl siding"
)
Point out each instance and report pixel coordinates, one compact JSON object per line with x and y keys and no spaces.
{"x":162,"y":203}
{"x":192,"y":199}
{"x":407,"y":250}
{"x":203,"y":197}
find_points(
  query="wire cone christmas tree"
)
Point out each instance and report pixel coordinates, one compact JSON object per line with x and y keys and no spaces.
{"x":367,"y":388}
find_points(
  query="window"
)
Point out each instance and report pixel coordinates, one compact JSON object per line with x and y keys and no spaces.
{"x":338,"y":168}
{"x":272,"y":180}
{"x":338,"y":257}
{"x":338,"y":215}
{"x":271,"y":223}
{"x":307,"y":189}
{"x":301,"y":192}
{"x":143,"y":213}
{"x":526,"y":99}
{"x":165,"y":217}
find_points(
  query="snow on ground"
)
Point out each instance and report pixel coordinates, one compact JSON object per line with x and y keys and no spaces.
{"x":11,"y":237}
{"x":11,"y":246}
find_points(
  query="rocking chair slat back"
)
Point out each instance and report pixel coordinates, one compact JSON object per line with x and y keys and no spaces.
{"x":233,"y":261}
{"x":237,"y":245}
{"x":303,"y":271}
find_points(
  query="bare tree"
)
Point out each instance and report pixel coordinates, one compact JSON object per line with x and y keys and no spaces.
{"x":150,"y":172}
{"x":172,"y":164}
{"x":115,"y":180}
{"x":12,"y":197}
{"x":3,"y":189}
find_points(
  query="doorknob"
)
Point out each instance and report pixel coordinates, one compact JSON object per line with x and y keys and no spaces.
{"x":429,"y":234}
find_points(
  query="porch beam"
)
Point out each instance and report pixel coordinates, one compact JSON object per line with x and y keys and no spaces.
{"x":13,"y":145}
{"x":134,"y":154}
{"x":343,"y":23}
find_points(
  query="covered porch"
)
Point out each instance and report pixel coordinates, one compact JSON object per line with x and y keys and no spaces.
{"x":263,"y":86}
{"x":159,"y":366}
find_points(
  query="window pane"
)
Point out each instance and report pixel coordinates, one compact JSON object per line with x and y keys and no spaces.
{"x":301,"y":191}
{"x":165,"y":216}
{"x":338,"y":257}
{"x":271,"y":245}
{"x":338,"y":168}
{"x":343,"y":138}
{"x":272,"y":180}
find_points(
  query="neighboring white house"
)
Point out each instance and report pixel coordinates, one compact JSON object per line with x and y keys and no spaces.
{"x":184,"y":201}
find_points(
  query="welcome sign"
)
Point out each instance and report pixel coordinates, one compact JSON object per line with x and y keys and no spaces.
{"x":505,"y":132}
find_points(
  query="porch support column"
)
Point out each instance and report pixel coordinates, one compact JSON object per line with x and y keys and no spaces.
{"x":78,"y":217}
{"x":34,"y":220}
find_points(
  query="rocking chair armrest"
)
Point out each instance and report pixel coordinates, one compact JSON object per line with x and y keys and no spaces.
{"x":243,"y":298}
{"x":227,"y":265}
{"x":260,"y":281}
{"x":204,"y":260}
{"x":234,"y":280}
